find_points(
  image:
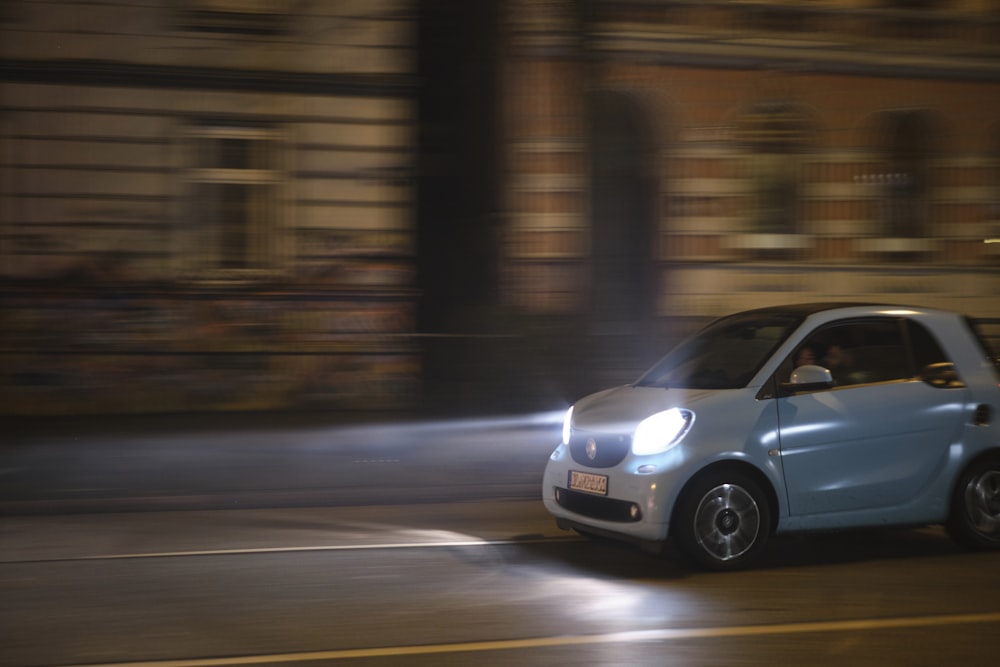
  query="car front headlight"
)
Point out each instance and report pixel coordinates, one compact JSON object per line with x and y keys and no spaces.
{"x":660,"y":432}
{"x":567,"y":425}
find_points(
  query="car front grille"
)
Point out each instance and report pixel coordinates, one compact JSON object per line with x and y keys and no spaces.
{"x":599,"y":450}
{"x":597,"y":507}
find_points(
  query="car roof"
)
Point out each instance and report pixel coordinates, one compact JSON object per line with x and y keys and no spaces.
{"x":804,"y":310}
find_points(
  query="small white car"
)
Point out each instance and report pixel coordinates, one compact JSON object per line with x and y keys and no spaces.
{"x":805,"y":417}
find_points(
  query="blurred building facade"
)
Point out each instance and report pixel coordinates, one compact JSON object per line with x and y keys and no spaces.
{"x":681,"y":158}
{"x":206,"y":204}
{"x":242,"y":204}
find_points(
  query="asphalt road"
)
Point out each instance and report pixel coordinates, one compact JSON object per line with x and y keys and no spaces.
{"x":484,"y":583}
{"x":195,"y":542}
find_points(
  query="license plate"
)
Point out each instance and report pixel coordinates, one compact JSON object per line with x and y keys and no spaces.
{"x":590,"y":483}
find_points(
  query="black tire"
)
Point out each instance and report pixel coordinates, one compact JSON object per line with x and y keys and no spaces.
{"x":722,"y":521}
{"x":974,"y":522}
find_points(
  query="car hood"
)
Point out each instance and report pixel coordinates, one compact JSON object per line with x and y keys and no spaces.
{"x":622,"y":408}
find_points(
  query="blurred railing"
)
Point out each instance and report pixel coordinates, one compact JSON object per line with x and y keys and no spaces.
{"x":162,"y":348}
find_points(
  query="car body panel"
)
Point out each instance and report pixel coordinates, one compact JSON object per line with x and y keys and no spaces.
{"x":868,"y":446}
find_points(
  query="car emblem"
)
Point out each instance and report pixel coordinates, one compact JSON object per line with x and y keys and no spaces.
{"x":591,"y":449}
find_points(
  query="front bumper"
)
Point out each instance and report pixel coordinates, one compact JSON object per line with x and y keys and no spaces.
{"x":633,"y":509}
{"x":598,"y":507}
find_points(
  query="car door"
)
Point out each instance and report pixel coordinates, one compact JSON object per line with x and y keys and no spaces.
{"x":879,"y":435}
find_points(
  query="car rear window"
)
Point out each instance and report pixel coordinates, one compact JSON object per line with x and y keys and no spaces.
{"x":977,"y":328}
{"x":926,"y":349}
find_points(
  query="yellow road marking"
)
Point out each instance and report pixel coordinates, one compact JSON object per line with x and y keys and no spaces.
{"x":663,"y":634}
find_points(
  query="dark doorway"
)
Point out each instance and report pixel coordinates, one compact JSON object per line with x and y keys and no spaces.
{"x":459,"y":147}
{"x":458,"y":197}
{"x":623,"y":211}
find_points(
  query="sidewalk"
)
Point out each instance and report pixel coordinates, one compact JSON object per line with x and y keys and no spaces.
{"x":126,"y":424}
{"x":440,"y":405}
{"x":213,"y":460}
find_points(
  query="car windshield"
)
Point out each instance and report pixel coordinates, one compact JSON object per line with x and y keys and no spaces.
{"x":724,"y":355}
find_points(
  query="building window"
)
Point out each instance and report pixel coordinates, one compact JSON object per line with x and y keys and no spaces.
{"x":234,"y":183}
{"x":774,"y":134}
{"x":904,"y":183}
{"x":993,"y":211}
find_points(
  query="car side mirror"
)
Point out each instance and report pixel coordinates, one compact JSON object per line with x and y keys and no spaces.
{"x":941,"y":376}
{"x":808,"y":378}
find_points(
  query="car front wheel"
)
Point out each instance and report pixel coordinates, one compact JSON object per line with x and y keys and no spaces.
{"x":722,"y":521}
{"x":975,"y":514}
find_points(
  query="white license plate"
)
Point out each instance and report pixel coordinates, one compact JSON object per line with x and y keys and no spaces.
{"x":590,"y":483}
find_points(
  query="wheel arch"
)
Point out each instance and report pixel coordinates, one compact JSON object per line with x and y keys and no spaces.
{"x":982,"y":531}
{"x":730,"y":465}
{"x":981,"y":457}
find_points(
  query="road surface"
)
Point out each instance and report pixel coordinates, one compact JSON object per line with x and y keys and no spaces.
{"x":302,"y":544}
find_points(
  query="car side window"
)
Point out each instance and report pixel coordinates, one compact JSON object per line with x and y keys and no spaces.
{"x":926,"y":350}
{"x":857,"y":352}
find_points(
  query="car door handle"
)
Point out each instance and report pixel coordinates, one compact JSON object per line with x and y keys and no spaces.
{"x":983,"y":415}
